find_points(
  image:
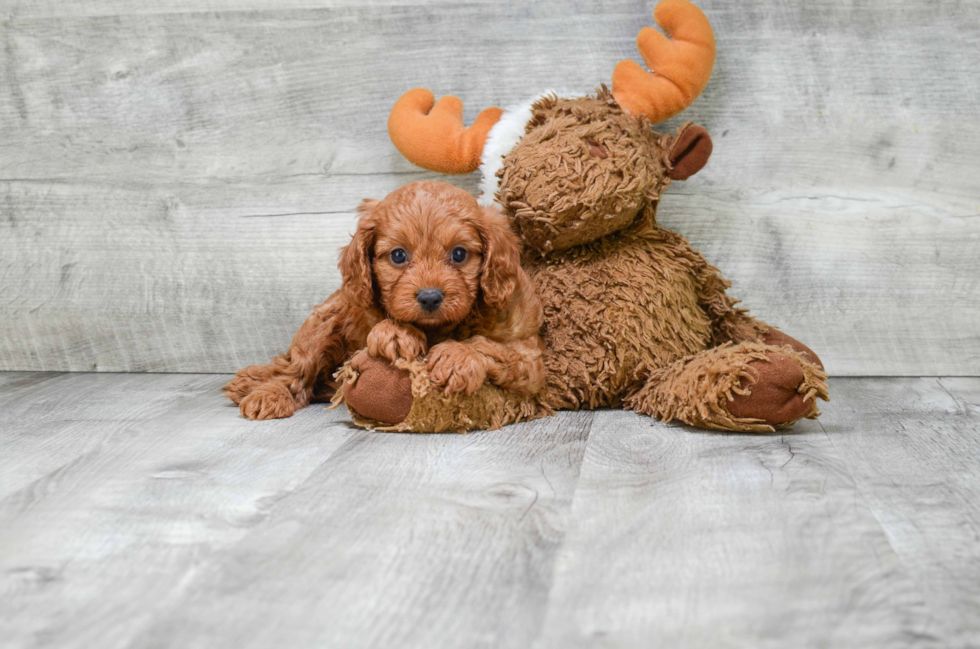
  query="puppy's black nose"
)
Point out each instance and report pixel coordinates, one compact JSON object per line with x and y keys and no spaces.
{"x":429,"y":298}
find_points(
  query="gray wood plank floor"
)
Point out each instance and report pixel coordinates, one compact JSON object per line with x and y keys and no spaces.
{"x":142,"y":511}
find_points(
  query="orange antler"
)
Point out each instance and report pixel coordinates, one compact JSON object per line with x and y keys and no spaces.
{"x":680,"y":63}
{"x":431,"y":134}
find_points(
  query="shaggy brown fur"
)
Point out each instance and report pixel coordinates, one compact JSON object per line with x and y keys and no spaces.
{"x":581,"y":158}
{"x":722,"y":375}
{"x":619,"y":308}
{"x":633,"y":316}
{"x":433,"y":410}
{"x":426,"y":236}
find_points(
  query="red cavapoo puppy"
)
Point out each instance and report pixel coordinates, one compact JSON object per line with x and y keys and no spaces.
{"x":428,"y":270}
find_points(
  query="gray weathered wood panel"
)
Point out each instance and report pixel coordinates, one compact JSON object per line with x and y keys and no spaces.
{"x":166,"y":520}
{"x":176,"y":177}
{"x":699,"y":539}
{"x":51,"y":420}
{"x":443,"y":538}
{"x":92,"y":551}
{"x":931,"y":514}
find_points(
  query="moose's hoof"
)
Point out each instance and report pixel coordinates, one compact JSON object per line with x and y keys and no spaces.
{"x":773,"y":397}
{"x":381,"y":392}
{"x":777,"y":338}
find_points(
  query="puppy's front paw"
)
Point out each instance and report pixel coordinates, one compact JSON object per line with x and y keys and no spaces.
{"x":245,"y":381}
{"x":391,"y":340}
{"x":268,"y":401}
{"x":456,"y":367}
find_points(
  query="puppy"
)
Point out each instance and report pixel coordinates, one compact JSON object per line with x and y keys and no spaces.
{"x":428,"y":271}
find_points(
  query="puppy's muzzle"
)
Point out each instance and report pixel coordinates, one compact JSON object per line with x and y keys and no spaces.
{"x":429,"y":299}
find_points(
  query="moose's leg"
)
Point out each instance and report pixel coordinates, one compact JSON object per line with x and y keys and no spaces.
{"x":730,"y":324}
{"x":402,"y":398}
{"x":738,"y":326}
{"x":776,"y":338}
{"x":749,"y":387}
{"x":374,"y":389}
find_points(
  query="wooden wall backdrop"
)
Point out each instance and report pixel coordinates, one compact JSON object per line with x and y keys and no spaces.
{"x":176,"y":176}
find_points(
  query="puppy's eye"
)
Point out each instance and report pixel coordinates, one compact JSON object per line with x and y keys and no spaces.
{"x":398,"y":256}
{"x":459,"y":254}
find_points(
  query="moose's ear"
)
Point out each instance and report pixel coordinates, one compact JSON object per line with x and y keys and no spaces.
{"x":690,"y":152}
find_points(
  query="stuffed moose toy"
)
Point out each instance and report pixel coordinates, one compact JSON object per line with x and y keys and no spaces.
{"x":633,"y":316}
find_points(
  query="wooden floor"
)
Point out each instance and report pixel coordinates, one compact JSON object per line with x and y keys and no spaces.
{"x":142,"y":511}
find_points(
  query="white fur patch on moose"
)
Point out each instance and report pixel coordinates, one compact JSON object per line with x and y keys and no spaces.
{"x":502,"y":138}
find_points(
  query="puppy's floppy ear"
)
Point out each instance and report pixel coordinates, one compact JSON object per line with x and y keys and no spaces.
{"x":356,"y":257}
{"x":501,"y":258}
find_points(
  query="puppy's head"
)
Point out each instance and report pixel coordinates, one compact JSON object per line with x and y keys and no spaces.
{"x":427,"y":252}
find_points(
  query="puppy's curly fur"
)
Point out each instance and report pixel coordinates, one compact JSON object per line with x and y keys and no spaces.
{"x":486,"y":325}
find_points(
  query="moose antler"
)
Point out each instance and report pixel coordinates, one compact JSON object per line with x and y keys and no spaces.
{"x":431,"y":134}
{"x":680,"y":63}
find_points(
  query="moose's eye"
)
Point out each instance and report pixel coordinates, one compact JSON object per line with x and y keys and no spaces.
{"x":459,"y":254}
{"x":398,"y":256}
{"x":597,"y":148}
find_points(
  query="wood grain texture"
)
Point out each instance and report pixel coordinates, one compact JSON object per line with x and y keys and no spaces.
{"x":179,"y":524}
{"x":92,"y":551}
{"x":401,"y":539}
{"x":176,"y":178}
{"x":932,"y":514}
{"x":398,"y":540}
{"x":52,"y":420}
{"x":695,"y":539}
